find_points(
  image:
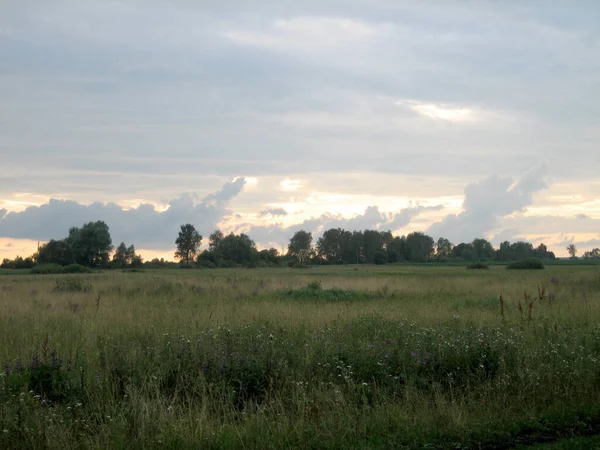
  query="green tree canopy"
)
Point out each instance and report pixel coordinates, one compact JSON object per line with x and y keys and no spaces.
{"x":91,"y":244}
{"x":301,"y":240}
{"x":56,"y":252}
{"x":188,"y":242}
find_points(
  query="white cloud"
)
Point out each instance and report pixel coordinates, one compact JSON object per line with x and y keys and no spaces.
{"x":311,"y":34}
{"x":442,"y":112}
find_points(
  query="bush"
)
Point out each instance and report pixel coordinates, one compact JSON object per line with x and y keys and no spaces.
{"x":527,"y":264}
{"x":226,"y":264}
{"x":46,"y":269}
{"x":299,"y":265}
{"x":380,"y":257}
{"x":71,"y":285}
{"x":478,"y":266}
{"x":206,"y":264}
{"x":75,"y":268}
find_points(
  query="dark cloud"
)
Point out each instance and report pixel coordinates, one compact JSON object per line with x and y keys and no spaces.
{"x":3,"y":212}
{"x":273,"y":212}
{"x":143,"y":226}
{"x":487,"y":201}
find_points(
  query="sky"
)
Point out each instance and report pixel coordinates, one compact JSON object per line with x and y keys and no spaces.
{"x":461,"y":119}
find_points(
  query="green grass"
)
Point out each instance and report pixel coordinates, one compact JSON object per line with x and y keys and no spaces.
{"x":331,"y":357}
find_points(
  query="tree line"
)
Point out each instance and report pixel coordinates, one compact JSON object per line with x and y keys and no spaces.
{"x":91,"y":246}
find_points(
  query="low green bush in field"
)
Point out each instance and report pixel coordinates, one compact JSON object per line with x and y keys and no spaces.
{"x":45,"y":269}
{"x":526,"y":264}
{"x":314,"y":291}
{"x":206,"y":264}
{"x":478,"y":266}
{"x":75,"y":268}
{"x":72,"y":285}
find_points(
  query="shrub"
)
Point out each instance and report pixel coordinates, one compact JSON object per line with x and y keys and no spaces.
{"x":478,"y":266}
{"x":71,"y":285}
{"x":299,"y":265}
{"x":45,"y":269}
{"x":75,"y":268}
{"x":315,"y":285}
{"x":526,"y":264}
{"x":206,"y":264}
{"x":380,"y":257}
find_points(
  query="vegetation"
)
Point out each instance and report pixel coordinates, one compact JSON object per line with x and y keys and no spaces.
{"x":478,"y":266}
{"x":526,"y":264}
{"x":188,"y":242}
{"x":334,"y":357}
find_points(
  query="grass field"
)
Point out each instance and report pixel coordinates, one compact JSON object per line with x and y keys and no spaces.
{"x":333,"y":357}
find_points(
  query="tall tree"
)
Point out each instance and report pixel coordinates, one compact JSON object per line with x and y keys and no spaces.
{"x":419,"y":247}
{"x":301,"y":240}
{"x":91,"y":244}
{"x":56,"y":252}
{"x":371,"y":244}
{"x":482,"y":249}
{"x":572,"y":249}
{"x":237,"y":248}
{"x":331,"y":246}
{"x":214,"y":239}
{"x":443,"y":248}
{"x":592,"y":254}
{"x":397,"y":249}
{"x":188,"y":242}
{"x":125,"y":256}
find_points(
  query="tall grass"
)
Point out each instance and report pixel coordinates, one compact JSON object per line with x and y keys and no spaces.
{"x":331,"y":358}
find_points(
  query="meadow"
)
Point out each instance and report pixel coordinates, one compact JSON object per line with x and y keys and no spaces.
{"x":325,"y":357}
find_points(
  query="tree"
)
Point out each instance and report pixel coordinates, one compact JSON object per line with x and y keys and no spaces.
{"x":124,"y":256}
{"x":521,"y":250}
{"x":463,"y":250}
{"x":91,"y":244}
{"x":188,"y":241}
{"x":380,"y":257}
{"x":270,"y":256}
{"x":214,"y":239}
{"x":419,"y":247}
{"x":504,"y":252}
{"x":371,"y":244}
{"x":237,"y":248}
{"x":397,"y":249}
{"x":301,"y":240}
{"x":482,"y":249}
{"x":56,"y":252}
{"x":592,"y":254}
{"x":386,"y":238}
{"x":443,"y":248}
{"x":572,"y":249}
{"x":338,"y":246}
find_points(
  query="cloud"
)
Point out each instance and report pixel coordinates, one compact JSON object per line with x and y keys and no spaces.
{"x":311,"y":34}
{"x":3,"y":212}
{"x":451,"y":113}
{"x":583,"y":217}
{"x":143,"y":226}
{"x":488,"y":200}
{"x":273,"y":212}
{"x":371,"y":218}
